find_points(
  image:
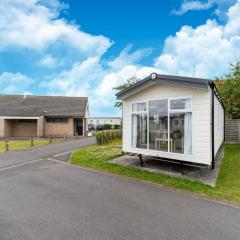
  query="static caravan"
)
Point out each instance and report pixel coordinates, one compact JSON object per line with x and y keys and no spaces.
{"x":174,"y":118}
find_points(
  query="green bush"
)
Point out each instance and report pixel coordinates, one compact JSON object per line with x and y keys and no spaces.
{"x":107,"y":126}
{"x":116,"y":126}
{"x":107,"y":136}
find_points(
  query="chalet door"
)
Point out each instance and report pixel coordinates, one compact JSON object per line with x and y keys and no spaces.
{"x":79,"y":127}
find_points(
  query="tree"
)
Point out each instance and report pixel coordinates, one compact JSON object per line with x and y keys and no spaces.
{"x":230,"y":90}
{"x":129,"y":82}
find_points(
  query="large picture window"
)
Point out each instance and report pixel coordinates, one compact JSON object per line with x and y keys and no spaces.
{"x":163,"y":125}
{"x":158,"y":125}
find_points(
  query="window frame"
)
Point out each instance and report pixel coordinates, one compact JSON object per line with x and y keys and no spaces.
{"x":139,"y":113}
{"x":57,"y":122}
{"x":169,"y":111}
{"x":27,"y":120}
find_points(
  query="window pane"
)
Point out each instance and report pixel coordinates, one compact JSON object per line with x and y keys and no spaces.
{"x":181,"y":133}
{"x":139,"y":130}
{"x":181,"y":104}
{"x":158,"y":125}
{"x":139,"y":107}
{"x":57,"y":120}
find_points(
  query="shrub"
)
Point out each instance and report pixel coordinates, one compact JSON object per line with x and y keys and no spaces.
{"x":107,"y":126}
{"x":116,"y":126}
{"x":108,"y":136}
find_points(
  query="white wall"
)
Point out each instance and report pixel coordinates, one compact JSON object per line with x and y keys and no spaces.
{"x":218,"y":124}
{"x":97,"y":121}
{"x":201,"y":120}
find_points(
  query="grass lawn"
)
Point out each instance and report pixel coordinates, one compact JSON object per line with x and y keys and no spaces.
{"x":24,"y":144}
{"x":228,"y":182}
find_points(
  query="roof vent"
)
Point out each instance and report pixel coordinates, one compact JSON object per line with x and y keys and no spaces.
{"x":24,"y":96}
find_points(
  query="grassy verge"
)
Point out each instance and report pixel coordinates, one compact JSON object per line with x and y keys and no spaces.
{"x":228,"y":182}
{"x":24,"y":144}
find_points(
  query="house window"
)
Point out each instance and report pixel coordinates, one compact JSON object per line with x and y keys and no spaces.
{"x":166,"y":125}
{"x":139,"y":126}
{"x":57,"y":120}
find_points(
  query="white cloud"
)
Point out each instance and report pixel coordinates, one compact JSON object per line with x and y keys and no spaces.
{"x":78,"y":80}
{"x":32,"y":25}
{"x":193,"y":6}
{"x":126,"y":57}
{"x":197,"y":5}
{"x":14,"y":83}
{"x":210,"y":48}
{"x":104,"y":93}
{"x":232,"y":27}
{"x":49,"y":61}
{"x":91,"y":78}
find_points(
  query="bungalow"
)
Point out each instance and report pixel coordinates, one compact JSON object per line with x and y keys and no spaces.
{"x":42,"y":116}
{"x":174,"y":118}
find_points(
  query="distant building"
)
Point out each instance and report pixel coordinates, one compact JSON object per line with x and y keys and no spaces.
{"x":105,"y":120}
{"x":42,"y":116}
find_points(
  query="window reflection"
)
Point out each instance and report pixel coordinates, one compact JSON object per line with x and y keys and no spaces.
{"x":139,"y":130}
{"x":158,"y":125}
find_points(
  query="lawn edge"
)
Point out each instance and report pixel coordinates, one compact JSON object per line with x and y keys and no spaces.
{"x":25,"y":149}
{"x":206,"y":197}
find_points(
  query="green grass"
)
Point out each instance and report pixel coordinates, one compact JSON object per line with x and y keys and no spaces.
{"x":227,"y":186}
{"x":24,"y":144}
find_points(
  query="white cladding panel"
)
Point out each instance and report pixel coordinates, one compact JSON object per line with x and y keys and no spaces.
{"x":218,"y":124}
{"x":201,"y":120}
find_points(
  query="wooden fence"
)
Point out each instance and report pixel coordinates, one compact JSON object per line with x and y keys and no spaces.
{"x":232,"y":130}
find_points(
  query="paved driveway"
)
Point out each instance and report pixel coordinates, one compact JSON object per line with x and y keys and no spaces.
{"x":16,"y":157}
{"x":45,"y":199}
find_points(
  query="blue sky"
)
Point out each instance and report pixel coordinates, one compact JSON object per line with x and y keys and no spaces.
{"x":85,"y":48}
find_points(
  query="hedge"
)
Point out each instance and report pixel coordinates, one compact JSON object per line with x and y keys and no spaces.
{"x":107,"y":136}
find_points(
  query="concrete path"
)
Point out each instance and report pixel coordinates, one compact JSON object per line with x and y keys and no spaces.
{"x":46,"y":199}
{"x":18,"y":157}
{"x":203,"y":174}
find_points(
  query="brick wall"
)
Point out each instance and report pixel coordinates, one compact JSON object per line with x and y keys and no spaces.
{"x":23,"y":129}
{"x":59,"y":129}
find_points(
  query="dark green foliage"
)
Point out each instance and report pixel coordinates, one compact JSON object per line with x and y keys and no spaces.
{"x":116,"y":126}
{"x":108,"y":136}
{"x":230,"y":91}
{"x":107,"y":126}
{"x":129,"y":82}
